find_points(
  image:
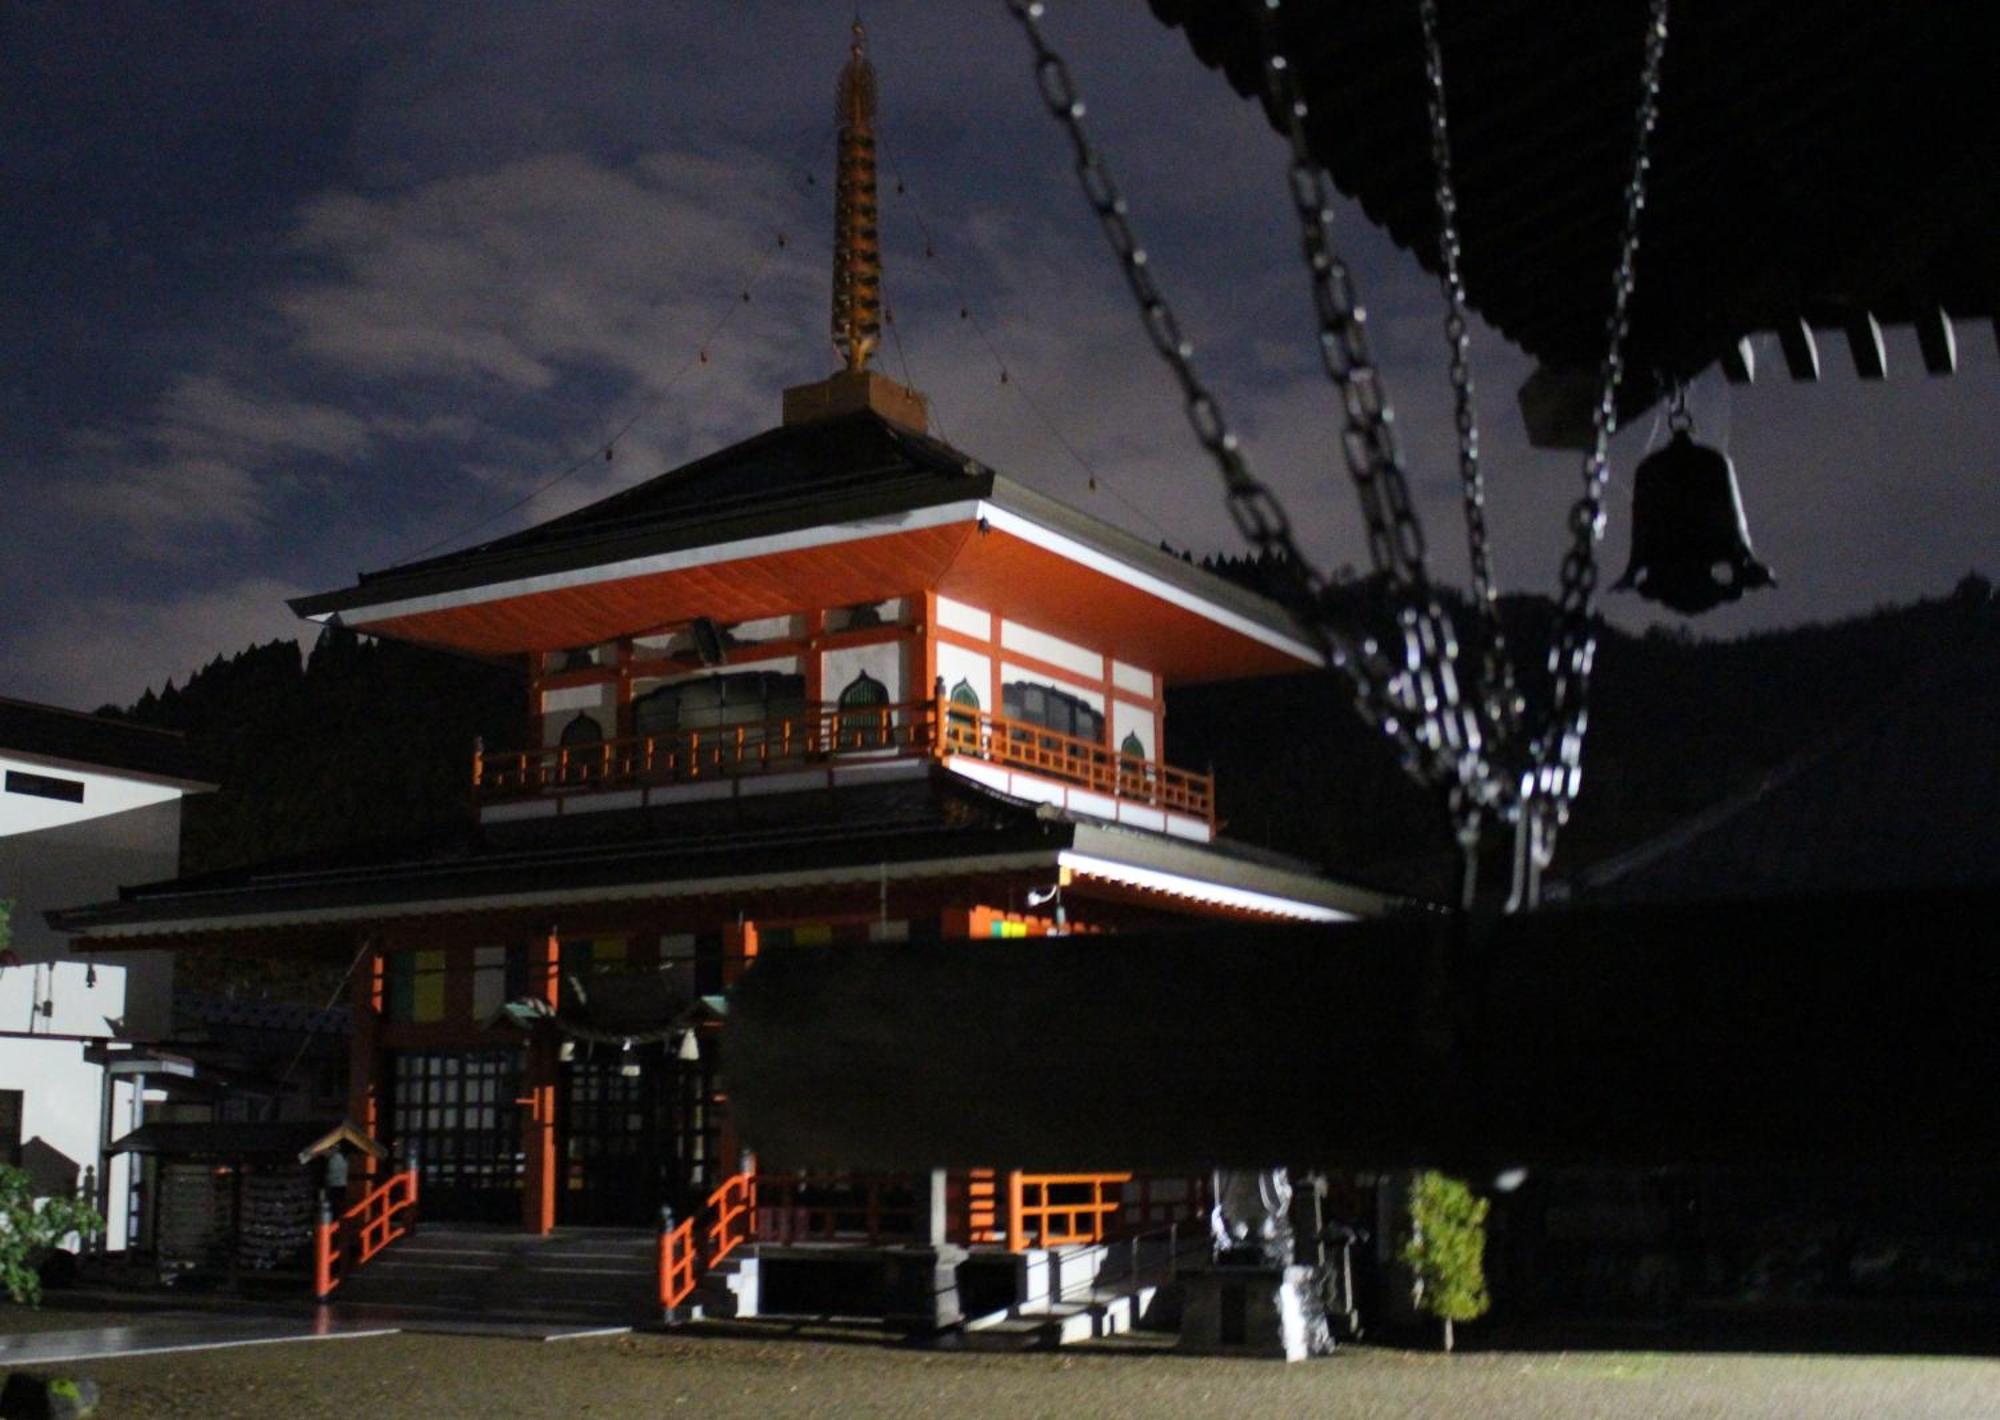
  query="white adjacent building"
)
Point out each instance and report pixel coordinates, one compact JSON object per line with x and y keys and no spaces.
{"x":87,"y":805}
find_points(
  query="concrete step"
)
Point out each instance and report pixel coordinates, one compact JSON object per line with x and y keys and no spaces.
{"x":1104,"y":1312}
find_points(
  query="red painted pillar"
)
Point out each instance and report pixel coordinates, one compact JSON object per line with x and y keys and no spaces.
{"x":538,"y":1094}
{"x":364,"y":1057}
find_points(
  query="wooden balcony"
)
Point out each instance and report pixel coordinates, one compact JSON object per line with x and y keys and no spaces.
{"x":980,"y":744}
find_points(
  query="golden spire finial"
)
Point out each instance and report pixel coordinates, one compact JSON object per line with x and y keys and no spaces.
{"x":857,"y":251}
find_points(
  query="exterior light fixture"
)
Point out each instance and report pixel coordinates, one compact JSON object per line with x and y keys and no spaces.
{"x":628,"y":1063}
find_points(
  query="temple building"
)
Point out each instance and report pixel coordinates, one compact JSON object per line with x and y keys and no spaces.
{"x":837,"y":682}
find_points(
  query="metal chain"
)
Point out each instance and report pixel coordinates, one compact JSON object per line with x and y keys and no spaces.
{"x":1558,"y":751}
{"x":1499,"y":697}
{"x":1256,"y":511}
{"x":1415,"y":700}
{"x":1426,"y":684}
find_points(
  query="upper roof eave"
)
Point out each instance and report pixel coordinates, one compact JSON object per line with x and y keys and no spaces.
{"x":936,"y":475}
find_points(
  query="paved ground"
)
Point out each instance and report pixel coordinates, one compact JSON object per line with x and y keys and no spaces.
{"x":635,"y":1376}
{"x":46,"y":1342}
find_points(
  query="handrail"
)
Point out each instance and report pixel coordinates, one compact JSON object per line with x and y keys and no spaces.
{"x":938,"y":728}
{"x":1037,"y":1217}
{"x":734,"y":1205}
{"x":683,"y":756}
{"x":677,"y":1261}
{"x":1094,"y":765}
{"x":808,"y":1207}
{"x":345,"y":1244}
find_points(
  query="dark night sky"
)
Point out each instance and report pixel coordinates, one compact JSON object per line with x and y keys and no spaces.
{"x":297,"y":290}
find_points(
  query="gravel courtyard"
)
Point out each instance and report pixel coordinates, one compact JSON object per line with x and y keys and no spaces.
{"x":633,"y":1376}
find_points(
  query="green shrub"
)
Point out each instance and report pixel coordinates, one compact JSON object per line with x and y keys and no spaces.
{"x":30,"y":1226}
{"x":1446,"y":1249}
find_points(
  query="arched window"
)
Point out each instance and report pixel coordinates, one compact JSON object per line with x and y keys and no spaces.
{"x":962,"y":723}
{"x":577,"y":738}
{"x":1133,"y":745}
{"x":864,"y":722}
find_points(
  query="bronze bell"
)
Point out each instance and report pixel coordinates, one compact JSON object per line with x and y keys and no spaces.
{"x":1690,"y":546}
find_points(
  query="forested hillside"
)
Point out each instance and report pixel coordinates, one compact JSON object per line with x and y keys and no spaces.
{"x":359,"y":740}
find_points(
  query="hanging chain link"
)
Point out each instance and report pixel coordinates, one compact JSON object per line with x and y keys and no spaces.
{"x":1500,"y":699}
{"x":1382,"y":698}
{"x":1558,"y":752}
{"x":1415,"y":699}
{"x":1426,"y":684}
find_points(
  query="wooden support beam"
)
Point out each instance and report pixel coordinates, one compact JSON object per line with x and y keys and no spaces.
{"x":541,"y":1072}
{"x":1739,"y":362}
{"x":1937,"y":342}
{"x":1864,"y":343}
{"x":1795,"y":339}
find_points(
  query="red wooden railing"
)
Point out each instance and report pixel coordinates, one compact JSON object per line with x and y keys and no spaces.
{"x":763,"y":747}
{"x":1058,"y":1209}
{"x":1086,"y":763}
{"x":924,"y":728}
{"x":678,"y":1263}
{"x":734,"y":1211}
{"x":834,"y":1208}
{"x":688,"y":1250}
{"x":343,"y":1245}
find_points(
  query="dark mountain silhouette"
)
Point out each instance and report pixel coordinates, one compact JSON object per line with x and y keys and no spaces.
{"x":1679,"y":726}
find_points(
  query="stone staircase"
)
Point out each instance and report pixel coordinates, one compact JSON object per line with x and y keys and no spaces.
{"x":1102,"y":1313}
{"x":727,"y":1291}
{"x":1070,"y":1295}
{"x":581,"y":1277}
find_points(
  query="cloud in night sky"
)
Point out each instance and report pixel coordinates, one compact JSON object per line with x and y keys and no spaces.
{"x":304,"y":292}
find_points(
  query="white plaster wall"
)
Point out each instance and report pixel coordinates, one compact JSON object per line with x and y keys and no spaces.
{"x":74,"y":1005}
{"x":61,"y":1111}
{"x":1133,"y":678}
{"x":1067,"y":655}
{"x":85,"y":862}
{"x":769,"y":628}
{"x":887,"y":661}
{"x":955,"y":663}
{"x":965,"y":619}
{"x":103,"y":794}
